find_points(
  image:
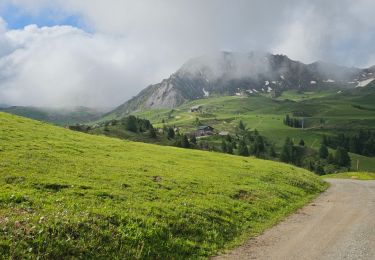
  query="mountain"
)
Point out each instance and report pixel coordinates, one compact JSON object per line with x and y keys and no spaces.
{"x":228,"y":73}
{"x":60,"y":116}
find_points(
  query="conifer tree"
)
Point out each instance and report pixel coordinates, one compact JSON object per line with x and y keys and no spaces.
{"x":241,"y":126}
{"x":152,"y":132}
{"x":224,"y":147}
{"x":342,"y":157}
{"x":272,"y":152}
{"x":242,"y":149}
{"x":193,"y":140}
{"x":287,"y":151}
{"x":330,"y":159}
{"x":185,"y":142}
{"x":131,"y":124}
{"x":323,"y":151}
{"x":170,"y":133}
{"x":319,"y":170}
{"x":229,"y":148}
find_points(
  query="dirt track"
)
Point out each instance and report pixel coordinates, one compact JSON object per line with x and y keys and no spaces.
{"x":340,"y":224}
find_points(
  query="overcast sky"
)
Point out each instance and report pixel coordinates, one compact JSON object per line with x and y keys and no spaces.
{"x":102,"y":52}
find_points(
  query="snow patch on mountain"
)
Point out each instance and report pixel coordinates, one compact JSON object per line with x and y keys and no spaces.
{"x":206,"y":93}
{"x":329,"y":81}
{"x":364,"y":83}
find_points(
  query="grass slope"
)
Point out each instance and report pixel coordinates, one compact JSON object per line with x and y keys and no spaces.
{"x":352,"y":175}
{"x":364,"y":163}
{"x":65,"y":194}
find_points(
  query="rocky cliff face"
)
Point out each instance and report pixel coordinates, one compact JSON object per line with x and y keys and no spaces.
{"x":227,"y":73}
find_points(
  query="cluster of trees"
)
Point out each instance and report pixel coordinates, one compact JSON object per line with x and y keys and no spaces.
{"x":135,"y":124}
{"x":178,"y":139}
{"x":331,"y":162}
{"x":207,"y":146}
{"x":246,"y":143}
{"x":291,"y":153}
{"x":293,"y":122}
{"x":169,"y":132}
{"x":228,"y":144}
{"x":184,"y":142}
{"x":362,"y":142}
{"x":321,"y":161}
{"x":80,"y":128}
{"x":361,"y":107}
{"x":341,"y":157}
{"x":143,"y":126}
{"x":129,"y":123}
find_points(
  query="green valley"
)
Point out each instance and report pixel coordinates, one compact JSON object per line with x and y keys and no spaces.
{"x":325,"y":112}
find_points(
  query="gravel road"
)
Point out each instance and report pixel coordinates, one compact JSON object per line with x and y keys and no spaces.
{"x":340,"y":224}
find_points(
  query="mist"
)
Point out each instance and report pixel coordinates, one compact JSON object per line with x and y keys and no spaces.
{"x":120,"y":47}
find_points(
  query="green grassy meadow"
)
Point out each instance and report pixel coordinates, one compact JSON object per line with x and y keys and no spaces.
{"x":364,"y":163}
{"x":65,"y":194}
{"x":352,"y":175}
{"x":327,"y":112}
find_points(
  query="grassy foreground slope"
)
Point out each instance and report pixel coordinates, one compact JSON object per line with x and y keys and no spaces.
{"x":65,"y":194}
{"x":352,"y":175}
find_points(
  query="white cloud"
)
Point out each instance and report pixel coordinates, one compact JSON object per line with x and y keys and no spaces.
{"x":65,"y":66}
{"x":136,"y":43}
{"x":335,"y":31}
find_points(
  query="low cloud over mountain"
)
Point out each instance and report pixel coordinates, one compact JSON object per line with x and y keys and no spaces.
{"x":119,"y":47}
